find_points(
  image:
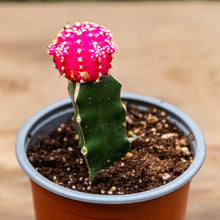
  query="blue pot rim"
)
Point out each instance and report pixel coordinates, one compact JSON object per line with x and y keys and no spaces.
{"x":199,"y":157}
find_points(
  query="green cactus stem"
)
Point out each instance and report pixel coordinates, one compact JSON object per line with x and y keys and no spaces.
{"x":99,"y":117}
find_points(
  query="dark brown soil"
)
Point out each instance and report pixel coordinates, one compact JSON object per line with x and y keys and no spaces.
{"x":160,"y":152}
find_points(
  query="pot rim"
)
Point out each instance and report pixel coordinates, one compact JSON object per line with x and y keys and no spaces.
{"x":113,"y":199}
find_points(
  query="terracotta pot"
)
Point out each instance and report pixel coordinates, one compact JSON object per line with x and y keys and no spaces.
{"x":52,"y":201}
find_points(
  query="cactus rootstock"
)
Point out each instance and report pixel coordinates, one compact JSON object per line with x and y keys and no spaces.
{"x":99,"y":116}
{"x":83,"y":52}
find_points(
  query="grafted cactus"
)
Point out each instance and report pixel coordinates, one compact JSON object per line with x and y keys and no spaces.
{"x":83,"y":54}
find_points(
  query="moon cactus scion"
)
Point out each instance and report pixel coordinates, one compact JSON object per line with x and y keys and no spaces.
{"x":83,"y":52}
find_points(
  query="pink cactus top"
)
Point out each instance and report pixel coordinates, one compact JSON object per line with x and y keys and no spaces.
{"x":83,"y":52}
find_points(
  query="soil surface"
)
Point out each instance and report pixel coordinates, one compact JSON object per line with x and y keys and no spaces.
{"x":159,"y":153}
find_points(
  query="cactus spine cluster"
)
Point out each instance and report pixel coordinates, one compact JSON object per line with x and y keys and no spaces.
{"x":83,"y":54}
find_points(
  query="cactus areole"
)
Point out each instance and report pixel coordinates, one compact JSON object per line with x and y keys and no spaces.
{"x":83,"y":54}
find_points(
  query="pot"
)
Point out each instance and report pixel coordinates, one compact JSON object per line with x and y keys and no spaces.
{"x":52,"y":201}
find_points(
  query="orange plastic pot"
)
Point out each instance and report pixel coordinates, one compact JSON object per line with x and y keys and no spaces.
{"x":52,"y":201}
{"x":49,"y":205}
